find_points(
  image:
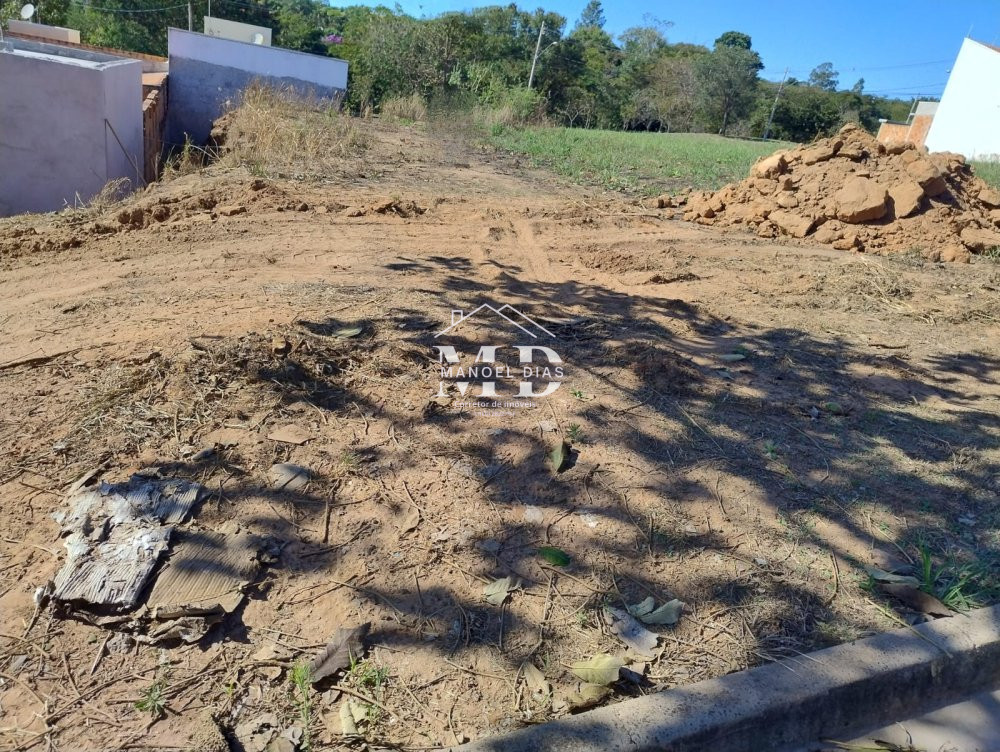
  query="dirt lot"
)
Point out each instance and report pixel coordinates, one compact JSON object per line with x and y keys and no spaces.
{"x":751,"y":422}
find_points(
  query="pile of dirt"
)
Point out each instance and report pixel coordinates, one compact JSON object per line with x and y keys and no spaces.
{"x":855,"y":193}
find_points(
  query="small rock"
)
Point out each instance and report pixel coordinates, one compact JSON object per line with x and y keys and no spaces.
{"x":990,"y":196}
{"x":231,"y":210}
{"x":286,"y":476}
{"x":792,"y":224}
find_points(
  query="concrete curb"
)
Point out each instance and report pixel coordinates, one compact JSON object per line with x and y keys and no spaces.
{"x":784,"y":705}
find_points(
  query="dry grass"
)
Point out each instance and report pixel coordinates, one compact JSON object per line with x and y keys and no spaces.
{"x":412,"y":108}
{"x":278,"y":133}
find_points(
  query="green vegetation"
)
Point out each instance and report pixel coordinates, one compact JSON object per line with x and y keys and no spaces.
{"x":646,"y":163}
{"x":301,"y":681}
{"x":988,"y":171}
{"x":636,"y":81}
{"x":153,"y":700}
{"x":957,"y":587}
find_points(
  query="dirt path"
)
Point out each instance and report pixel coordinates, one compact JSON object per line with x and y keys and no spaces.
{"x":751,"y":421}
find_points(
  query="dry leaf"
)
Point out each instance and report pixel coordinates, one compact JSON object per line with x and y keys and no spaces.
{"x":409,"y":521}
{"x":498,"y":590}
{"x":631,"y":632}
{"x":538,"y":687}
{"x":346,"y":645}
{"x":588,"y":696}
{"x":559,"y":456}
{"x":668,"y":613}
{"x":880,"y":575}
{"x":916,"y":599}
{"x":601,"y":669}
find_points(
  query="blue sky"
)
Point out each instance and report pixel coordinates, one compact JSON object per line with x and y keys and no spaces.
{"x":902,"y":49}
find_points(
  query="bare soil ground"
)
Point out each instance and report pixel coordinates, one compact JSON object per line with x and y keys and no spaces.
{"x":860,"y":420}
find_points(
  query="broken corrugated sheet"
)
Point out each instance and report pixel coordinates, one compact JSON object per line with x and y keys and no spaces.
{"x":115,"y":535}
{"x":205,"y":573}
{"x":113,"y":572}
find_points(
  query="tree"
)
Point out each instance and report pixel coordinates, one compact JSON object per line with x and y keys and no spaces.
{"x":823,"y":76}
{"x":727,"y":79}
{"x":592,"y":16}
{"x":859,"y":87}
{"x":735,"y":39}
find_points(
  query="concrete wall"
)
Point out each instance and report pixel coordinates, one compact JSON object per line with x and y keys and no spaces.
{"x":44,"y":31}
{"x":241,"y":32}
{"x":208,"y":74}
{"x":968,"y":117}
{"x":890,"y":131}
{"x":55,"y":147}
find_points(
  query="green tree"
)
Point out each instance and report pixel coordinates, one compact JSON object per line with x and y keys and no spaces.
{"x":823,"y":76}
{"x":727,"y":79}
{"x":592,"y":16}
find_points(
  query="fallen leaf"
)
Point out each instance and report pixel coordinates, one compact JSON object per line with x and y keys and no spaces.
{"x":347,"y":725}
{"x":290,"y":434}
{"x":588,"y":696}
{"x":346,"y":645}
{"x":410,"y":520}
{"x":538,"y":686}
{"x":601,"y":669}
{"x":732,"y":357}
{"x":347,"y":333}
{"x":668,"y":613}
{"x":554,"y":555}
{"x":559,"y":456}
{"x":631,"y":632}
{"x":498,"y":590}
{"x":880,"y":575}
{"x":916,"y":599}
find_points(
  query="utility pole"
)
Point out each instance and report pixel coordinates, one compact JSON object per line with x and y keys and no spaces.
{"x":534,"y":60}
{"x":190,"y":17}
{"x":767,"y":130}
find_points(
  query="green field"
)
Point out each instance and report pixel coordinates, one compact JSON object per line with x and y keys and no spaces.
{"x":988,"y":171}
{"x":650,"y":163}
{"x":645,"y":163}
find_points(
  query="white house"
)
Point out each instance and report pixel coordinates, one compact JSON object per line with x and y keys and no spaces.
{"x":967,"y":120}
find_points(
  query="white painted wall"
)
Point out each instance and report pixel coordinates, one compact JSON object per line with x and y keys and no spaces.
{"x":968,"y":117}
{"x":44,"y":31}
{"x":241,"y":32}
{"x":208,"y":75}
{"x":54,"y":143}
{"x":270,"y":62}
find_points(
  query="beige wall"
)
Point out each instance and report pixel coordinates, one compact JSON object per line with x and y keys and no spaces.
{"x":41,"y":31}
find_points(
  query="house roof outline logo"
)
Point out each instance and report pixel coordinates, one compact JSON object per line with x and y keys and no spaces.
{"x":457,"y":318}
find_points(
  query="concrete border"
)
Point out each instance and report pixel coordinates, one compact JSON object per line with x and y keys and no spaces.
{"x":785,"y":705}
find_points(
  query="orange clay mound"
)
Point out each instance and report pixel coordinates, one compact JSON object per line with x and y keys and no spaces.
{"x":857,"y":194}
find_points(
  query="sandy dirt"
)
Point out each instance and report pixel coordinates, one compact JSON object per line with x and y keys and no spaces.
{"x":751,"y":421}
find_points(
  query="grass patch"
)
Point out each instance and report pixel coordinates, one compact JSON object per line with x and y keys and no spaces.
{"x":278,"y":133}
{"x":988,"y":171}
{"x":644,"y":163}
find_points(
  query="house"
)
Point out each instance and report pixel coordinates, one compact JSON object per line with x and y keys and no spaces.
{"x":967,"y":120}
{"x":70,"y":122}
{"x":914,"y":130}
